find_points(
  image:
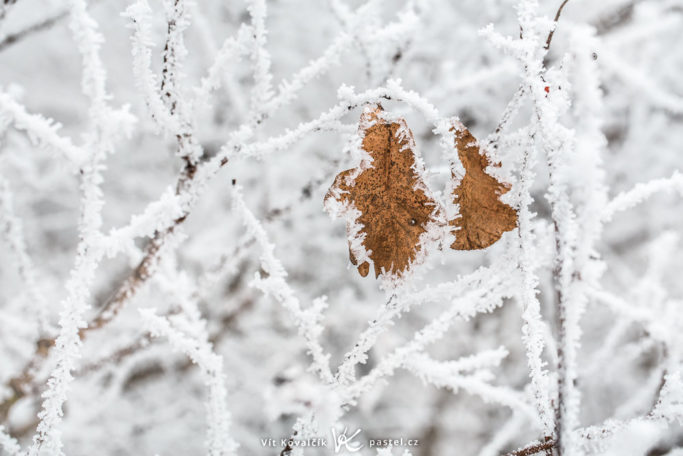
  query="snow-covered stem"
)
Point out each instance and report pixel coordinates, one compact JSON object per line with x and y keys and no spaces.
{"x":367,"y":339}
{"x":532,"y":329}
{"x":479,"y":361}
{"x":641,"y":192}
{"x":332,"y":117}
{"x":275,"y":284}
{"x":147,"y":82}
{"x":289,"y":89}
{"x":230,"y":52}
{"x":88,"y":39}
{"x":174,"y":52}
{"x":219,"y":440}
{"x":7,"y":40}
{"x":67,"y":346}
{"x":161,"y":245}
{"x":471,"y":375}
{"x":534,"y":448}
{"x":510,"y":111}
{"x":40,"y":130}
{"x":260,"y":58}
{"x":177,"y":18}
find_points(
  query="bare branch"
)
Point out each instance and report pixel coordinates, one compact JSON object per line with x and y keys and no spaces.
{"x":45,"y":24}
{"x":534,"y":448}
{"x":557,"y":18}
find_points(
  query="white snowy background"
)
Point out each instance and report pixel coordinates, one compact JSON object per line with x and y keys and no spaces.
{"x":170,"y":283}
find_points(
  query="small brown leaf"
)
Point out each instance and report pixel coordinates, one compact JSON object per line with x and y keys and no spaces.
{"x":384,"y":199}
{"x":483,"y":217}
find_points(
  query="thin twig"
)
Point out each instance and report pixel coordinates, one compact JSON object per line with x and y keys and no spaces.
{"x":510,"y":110}
{"x":557,"y":18}
{"x":533,"y":449}
{"x":133,"y":282}
{"x":13,"y":38}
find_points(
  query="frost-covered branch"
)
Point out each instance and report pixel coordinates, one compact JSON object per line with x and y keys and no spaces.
{"x":631,"y":198}
{"x":534,"y":448}
{"x":532,"y":331}
{"x":40,"y":130}
{"x":260,"y":58}
{"x":147,"y":82}
{"x":230,"y":52}
{"x":219,"y":441}
{"x":16,"y":37}
{"x":275,"y":284}
{"x":471,"y":375}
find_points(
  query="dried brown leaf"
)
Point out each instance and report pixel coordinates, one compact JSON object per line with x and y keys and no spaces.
{"x":385,"y":198}
{"x":483,"y":217}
